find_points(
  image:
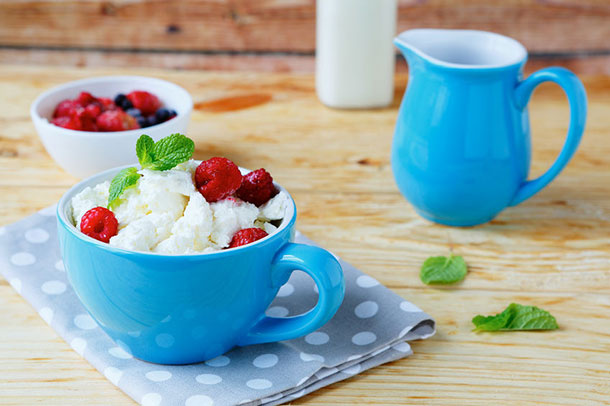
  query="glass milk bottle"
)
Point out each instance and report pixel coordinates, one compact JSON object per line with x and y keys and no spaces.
{"x":354,"y":52}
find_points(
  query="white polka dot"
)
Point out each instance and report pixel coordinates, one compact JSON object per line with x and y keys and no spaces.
{"x":59,"y":265}
{"x":36,"y":236}
{"x":365,"y":281}
{"x":366,"y":309}
{"x":379,"y":351}
{"x":199,"y":400}
{"x":48,"y":211}
{"x":364,"y":338}
{"x":84,"y":322}
{"x":311,"y":357}
{"x":165,"y":340}
{"x":277,"y":311}
{"x":265,"y":361}
{"x":275,"y":397}
{"x":259,"y":384}
{"x":23,"y":259}
{"x":323,"y":373}
{"x":402,"y":347}
{"x":208,"y":379}
{"x":219,"y":361}
{"x":286,"y":290}
{"x":317,"y":338}
{"x":151,"y":399}
{"x":79,"y":345}
{"x":113,"y":374}
{"x":46,"y":314}
{"x":167,"y":319}
{"x":16,"y":284}
{"x":158,"y":376}
{"x":409,"y":307}
{"x":134,"y":334}
{"x":353,"y":370}
{"x":405,"y":331}
{"x":120,"y":353}
{"x":53,"y":287}
{"x":297,"y":394}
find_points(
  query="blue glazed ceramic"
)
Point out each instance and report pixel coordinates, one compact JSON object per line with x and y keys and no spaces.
{"x":180,"y":309}
{"x":461,"y":149}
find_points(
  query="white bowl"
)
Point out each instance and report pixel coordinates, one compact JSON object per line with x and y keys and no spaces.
{"x":84,"y":153}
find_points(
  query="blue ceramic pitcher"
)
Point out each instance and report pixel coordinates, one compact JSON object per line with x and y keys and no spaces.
{"x":461,"y":149}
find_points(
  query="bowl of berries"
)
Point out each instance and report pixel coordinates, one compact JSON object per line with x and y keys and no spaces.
{"x":89,"y":125}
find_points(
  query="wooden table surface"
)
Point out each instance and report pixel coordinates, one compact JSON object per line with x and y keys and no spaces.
{"x":552,"y":251}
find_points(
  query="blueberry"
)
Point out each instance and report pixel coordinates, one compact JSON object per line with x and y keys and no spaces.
{"x":162,"y":115}
{"x":152,"y":120}
{"x":142,"y":121}
{"x":134,"y":112}
{"x":123,"y":102}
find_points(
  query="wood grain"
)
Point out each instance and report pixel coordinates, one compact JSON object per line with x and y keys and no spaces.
{"x":284,"y":25}
{"x":552,"y":251}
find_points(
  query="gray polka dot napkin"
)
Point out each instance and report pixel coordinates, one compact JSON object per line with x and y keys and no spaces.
{"x":372,"y":327}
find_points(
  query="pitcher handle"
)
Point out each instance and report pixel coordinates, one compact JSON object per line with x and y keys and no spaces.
{"x":577,"y":97}
{"x":326,"y":272}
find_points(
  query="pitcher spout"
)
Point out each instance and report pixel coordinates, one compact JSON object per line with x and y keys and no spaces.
{"x":461,"y":49}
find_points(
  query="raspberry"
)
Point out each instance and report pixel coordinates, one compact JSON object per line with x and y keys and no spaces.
{"x":257,"y":187}
{"x":93,"y":110}
{"x":146,"y":102}
{"x":217,"y":178}
{"x":106,"y":103}
{"x":66,"y":122}
{"x":85,"y":98}
{"x":116,"y":120}
{"x":246,"y":236}
{"x":65,"y":108}
{"x":99,"y":223}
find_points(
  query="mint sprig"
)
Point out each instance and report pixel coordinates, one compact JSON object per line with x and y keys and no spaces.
{"x":165,"y":153}
{"x":162,"y":155}
{"x":516,"y":317}
{"x":127,"y":178}
{"x":443,"y":270}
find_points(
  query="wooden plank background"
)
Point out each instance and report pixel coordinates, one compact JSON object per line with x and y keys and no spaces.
{"x":274,"y":35}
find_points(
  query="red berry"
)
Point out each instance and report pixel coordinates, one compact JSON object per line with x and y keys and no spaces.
{"x":106,"y":103}
{"x":217,"y":178}
{"x":65,"y":122}
{"x":93,"y":110}
{"x":257,"y":187}
{"x":246,"y":236}
{"x":99,"y":223}
{"x":65,"y":108}
{"x":85,"y":98}
{"x":146,"y":102}
{"x":116,"y":120}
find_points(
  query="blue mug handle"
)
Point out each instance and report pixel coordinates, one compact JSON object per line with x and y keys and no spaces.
{"x":577,"y":97}
{"x":326,"y":272}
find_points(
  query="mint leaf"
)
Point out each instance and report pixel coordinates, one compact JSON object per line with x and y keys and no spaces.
{"x":170,"y":151}
{"x":144,"y":149}
{"x":443,"y":270}
{"x":126,"y":178}
{"x":516,"y":317}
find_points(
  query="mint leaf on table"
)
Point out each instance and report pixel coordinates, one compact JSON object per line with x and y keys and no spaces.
{"x":443,"y":270}
{"x":516,"y":317}
{"x":144,"y":149}
{"x":167,"y":152}
{"x":126,"y":178}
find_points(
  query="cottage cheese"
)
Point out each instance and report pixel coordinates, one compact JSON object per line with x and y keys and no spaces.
{"x":165,"y":213}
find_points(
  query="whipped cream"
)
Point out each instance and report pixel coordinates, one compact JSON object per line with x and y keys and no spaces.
{"x":165,"y":213}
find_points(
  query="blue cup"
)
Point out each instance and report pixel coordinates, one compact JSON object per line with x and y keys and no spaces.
{"x":182,"y":309}
{"x":461,"y":149}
